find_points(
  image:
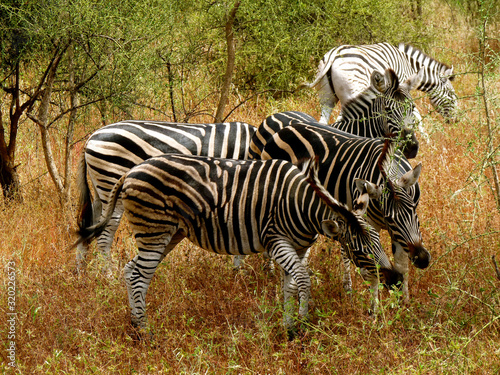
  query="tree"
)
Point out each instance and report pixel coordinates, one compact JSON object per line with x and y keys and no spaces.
{"x":94,"y":54}
{"x":16,"y":50}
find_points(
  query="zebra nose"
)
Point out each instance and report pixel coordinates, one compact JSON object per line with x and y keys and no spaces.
{"x":419,"y":255}
{"x":411,"y":145}
{"x":392,"y":278}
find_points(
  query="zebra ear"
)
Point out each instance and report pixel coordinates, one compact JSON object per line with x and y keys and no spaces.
{"x":448,"y":74}
{"x":414,"y":81}
{"x":330,"y":228}
{"x":361,"y":204}
{"x":363,"y":186}
{"x":378,"y":81}
{"x":410,"y":178}
{"x":391,"y":79}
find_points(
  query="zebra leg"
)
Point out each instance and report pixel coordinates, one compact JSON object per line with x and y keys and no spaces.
{"x":139,"y":271}
{"x":295,"y":281}
{"x":420,"y":125}
{"x":346,"y":279}
{"x":105,"y":239}
{"x":127,"y":275}
{"x":401,"y":265}
{"x":268,"y":262}
{"x":81,"y":256}
{"x":374,"y":284}
{"x":83,"y":248}
{"x":327,"y":98}
{"x":238,"y":261}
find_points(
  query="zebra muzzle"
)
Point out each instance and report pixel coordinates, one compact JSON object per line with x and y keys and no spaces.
{"x":411,"y":145}
{"x":392,"y":278}
{"x":419,"y":255}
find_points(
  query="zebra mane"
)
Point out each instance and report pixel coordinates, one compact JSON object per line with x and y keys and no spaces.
{"x":310,"y":168}
{"x":414,"y":54}
{"x":368,"y":94}
{"x":385,"y":160}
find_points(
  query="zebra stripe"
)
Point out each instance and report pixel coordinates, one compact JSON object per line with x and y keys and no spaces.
{"x":114,"y":149}
{"x":345,"y":71}
{"x":236,"y":207}
{"x":346,"y":160}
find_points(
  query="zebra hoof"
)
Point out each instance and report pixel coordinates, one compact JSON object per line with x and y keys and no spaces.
{"x":347,"y":287}
{"x":141,"y":332}
{"x":296,"y":332}
{"x":292,"y":333}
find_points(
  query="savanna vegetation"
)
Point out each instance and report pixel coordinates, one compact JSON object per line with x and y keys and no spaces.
{"x":69,"y":67}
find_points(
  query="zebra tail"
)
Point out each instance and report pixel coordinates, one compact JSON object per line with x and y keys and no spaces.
{"x":85,"y":216}
{"x":90,"y":232}
{"x":322,"y":71}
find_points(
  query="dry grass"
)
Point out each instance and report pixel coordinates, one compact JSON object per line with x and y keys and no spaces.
{"x":209,"y":319}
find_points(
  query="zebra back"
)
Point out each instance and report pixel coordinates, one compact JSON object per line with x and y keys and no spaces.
{"x":112,"y":150}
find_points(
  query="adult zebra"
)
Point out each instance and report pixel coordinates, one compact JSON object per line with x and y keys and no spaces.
{"x":344,"y":161}
{"x":114,"y":149}
{"x":345,"y":71}
{"x":232,"y":207}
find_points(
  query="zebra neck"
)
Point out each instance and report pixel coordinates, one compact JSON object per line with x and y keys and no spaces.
{"x":364,"y":119}
{"x":317,"y":212}
{"x":418,"y":59}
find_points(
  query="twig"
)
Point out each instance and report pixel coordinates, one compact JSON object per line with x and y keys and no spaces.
{"x":496,"y":266}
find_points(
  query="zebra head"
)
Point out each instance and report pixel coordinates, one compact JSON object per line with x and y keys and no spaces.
{"x":398,"y":204}
{"x":442,"y":96}
{"x":436,"y":81}
{"x":360,"y":240}
{"x":397,"y":109}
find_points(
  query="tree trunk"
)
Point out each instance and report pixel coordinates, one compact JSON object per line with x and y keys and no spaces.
{"x":9,"y":179}
{"x":231,"y":52}
{"x":74,"y":102}
{"x":41,"y":120}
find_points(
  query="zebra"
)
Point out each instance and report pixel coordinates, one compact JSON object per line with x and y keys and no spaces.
{"x":344,"y":161}
{"x":237,"y":207}
{"x":384,"y":108}
{"x":114,"y":149}
{"x":345,"y":71}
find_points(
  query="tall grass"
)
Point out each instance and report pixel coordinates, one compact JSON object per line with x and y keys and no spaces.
{"x":209,"y":319}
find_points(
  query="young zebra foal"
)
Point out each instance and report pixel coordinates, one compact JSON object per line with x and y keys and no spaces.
{"x":237,"y":207}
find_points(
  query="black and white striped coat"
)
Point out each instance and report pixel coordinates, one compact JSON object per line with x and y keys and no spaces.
{"x":236,"y":207}
{"x":345,"y":71}
{"x":344,"y":161}
{"x":113,"y":150}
